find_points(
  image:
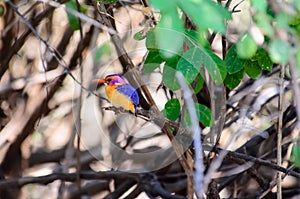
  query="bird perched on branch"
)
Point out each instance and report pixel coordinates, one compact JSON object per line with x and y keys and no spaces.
{"x":120,"y":93}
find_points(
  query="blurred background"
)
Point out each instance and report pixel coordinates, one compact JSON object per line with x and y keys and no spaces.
{"x":47,"y":104}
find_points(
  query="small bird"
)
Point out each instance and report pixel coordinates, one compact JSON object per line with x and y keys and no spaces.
{"x":120,"y":93}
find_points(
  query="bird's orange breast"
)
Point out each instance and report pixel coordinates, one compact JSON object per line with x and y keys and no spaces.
{"x":118,"y":99}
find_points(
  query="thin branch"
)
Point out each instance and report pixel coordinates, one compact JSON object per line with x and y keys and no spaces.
{"x":232,"y":154}
{"x":54,"y":52}
{"x":279,"y":129}
{"x":21,"y":40}
{"x":68,"y":177}
{"x":80,"y":15}
{"x":121,"y":189}
{"x":79,"y":105}
{"x":295,"y":86}
{"x":198,"y":160}
{"x":153,"y":187}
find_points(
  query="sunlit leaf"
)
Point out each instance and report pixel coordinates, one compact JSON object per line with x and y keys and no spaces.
{"x":246,"y":47}
{"x":217,"y":68}
{"x":263,"y":21}
{"x":189,"y":65}
{"x":297,"y":4}
{"x":279,"y":51}
{"x":169,"y":78}
{"x":206,"y":14}
{"x":170,"y":34}
{"x":197,"y":57}
{"x":259,"y":5}
{"x":282,"y":20}
{"x":162,"y":4}
{"x":151,"y":40}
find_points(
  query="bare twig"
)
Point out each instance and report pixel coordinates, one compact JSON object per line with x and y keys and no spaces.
{"x":81,"y":16}
{"x":295,"y":86}
{"x":79,"y":105}
{"x":68,"y":177}
{"x":55,"y":53}
{"x":198,"y":160}
{"x":231,"y":154}
{"x":279,"y":130}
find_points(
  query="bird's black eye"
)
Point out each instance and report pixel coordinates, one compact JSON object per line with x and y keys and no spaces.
{"x":108,"y":80}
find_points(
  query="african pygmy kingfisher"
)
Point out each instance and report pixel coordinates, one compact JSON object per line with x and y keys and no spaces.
{"x":120,"y":93}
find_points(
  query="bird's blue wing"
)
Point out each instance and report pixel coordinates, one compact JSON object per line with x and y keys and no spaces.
{"x":130,"y":92}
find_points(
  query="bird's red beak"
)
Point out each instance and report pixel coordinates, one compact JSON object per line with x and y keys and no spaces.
{"x":100,"y":81}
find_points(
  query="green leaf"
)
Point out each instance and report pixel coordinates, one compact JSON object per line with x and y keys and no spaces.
{"x":206,"y":14}
{"x":73,"y":20}
{"x":279,"y":51}
{"x":263,"y":21}
{"x":295,"y":155}
{"x":199,"y":85}
{"x":195,"y":38}
{"x":172,"y":109}
{"x":162,"y":4}
{"x":246,"y":47}
{"x":102,"y":50}
{"x":2,"y":10}
{"x":107,"y":1}
{"x":152,"y":61}
{"x":297,"y":4}
{"x":282,"y":20}
{"x":189,"y":65}
{"x":194,"y":58}
{"x":169,"y":78}
{"x":234,"y":64}
{"x":151,"y":40}
{"x":170,"y":34}
{"x":203,"y":113}
{"x":140,"y":35}
{"x":172,"y":62}
{"x":252,"y":69}
{"x":264,"y":61}
{"x":259,"y":5}
{"x":298,"y":59}
{"x":217,"y":68}
{"x":233,"y":80}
